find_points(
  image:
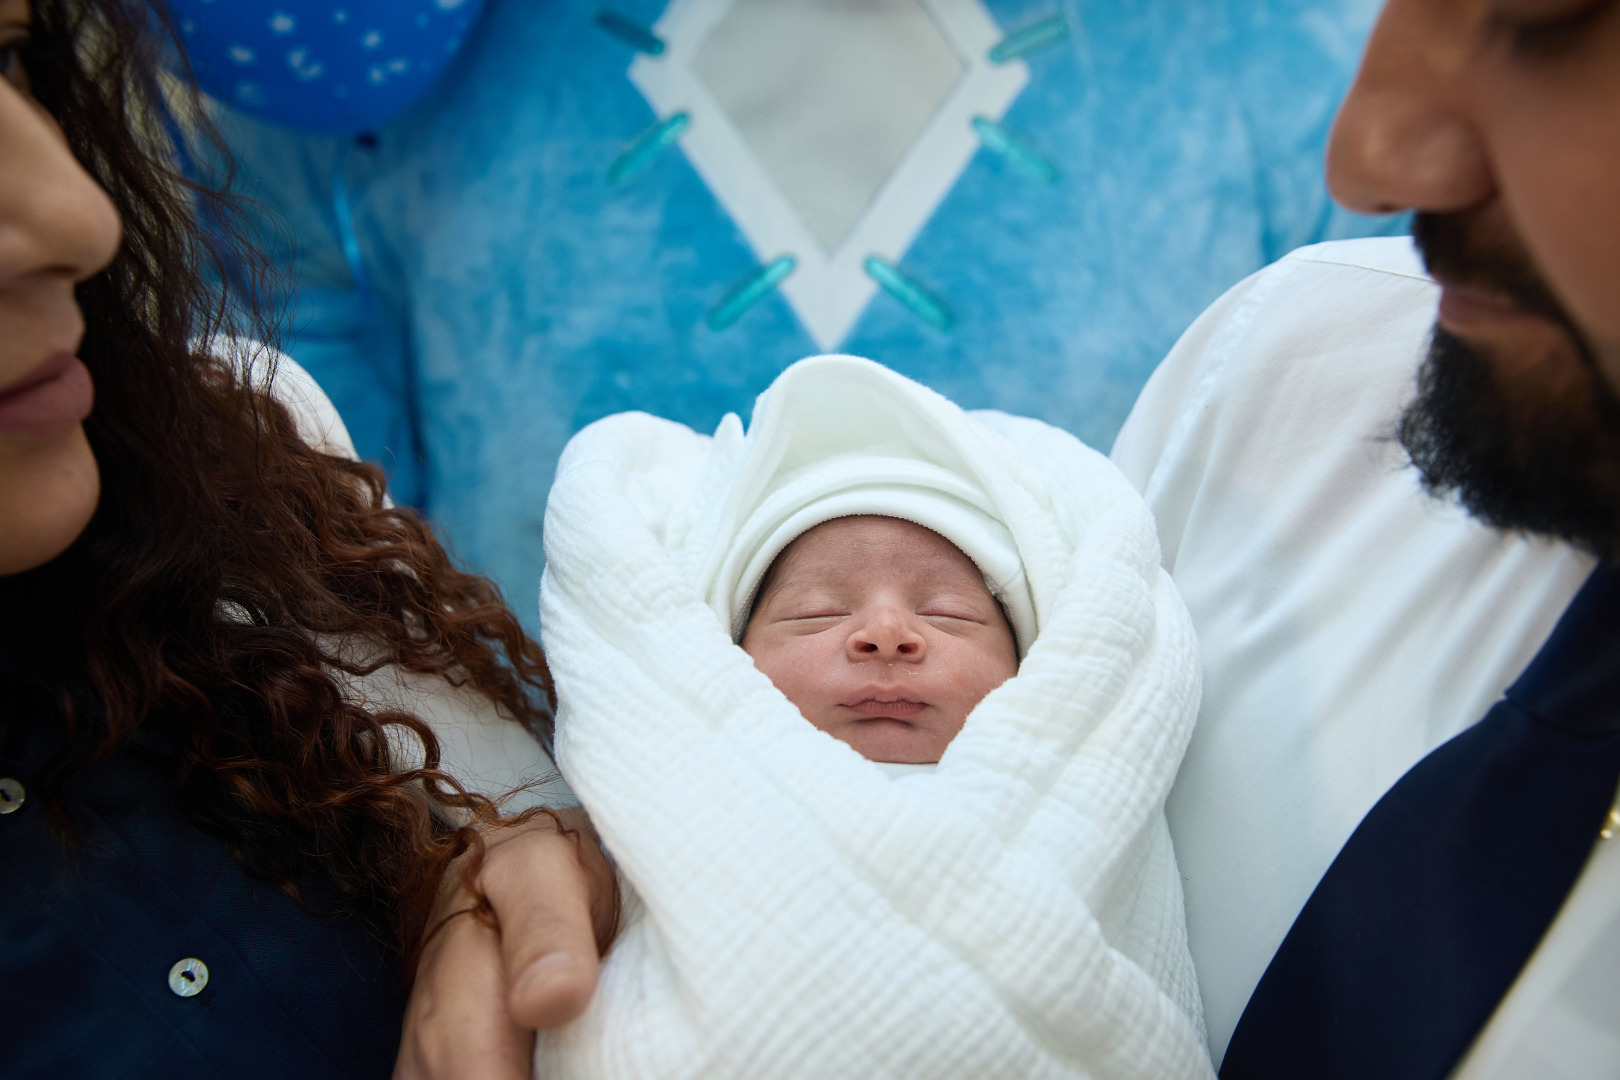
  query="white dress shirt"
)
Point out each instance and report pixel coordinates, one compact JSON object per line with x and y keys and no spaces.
{"x":1348,"y":625}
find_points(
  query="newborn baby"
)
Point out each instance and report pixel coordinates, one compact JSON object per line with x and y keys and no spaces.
{"x":876,"y":706}
{"x":883,"y":633}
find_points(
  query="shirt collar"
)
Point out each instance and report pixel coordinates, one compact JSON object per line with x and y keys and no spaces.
{"x":1574,"y":681}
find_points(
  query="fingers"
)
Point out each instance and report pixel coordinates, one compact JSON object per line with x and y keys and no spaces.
{"x":482,"y":990}
{"x":456,"y":1023}
{"x":553,"y":898}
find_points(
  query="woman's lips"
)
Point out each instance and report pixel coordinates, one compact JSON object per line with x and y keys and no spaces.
{"x":884,"y":706}
{"x":51,"y":398}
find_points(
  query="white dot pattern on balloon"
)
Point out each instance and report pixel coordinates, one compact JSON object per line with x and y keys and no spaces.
{"x":281,"y":60}
{"x":302,"y":65}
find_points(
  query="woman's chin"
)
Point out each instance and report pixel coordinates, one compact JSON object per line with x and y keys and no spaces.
{"x":50,"y":488}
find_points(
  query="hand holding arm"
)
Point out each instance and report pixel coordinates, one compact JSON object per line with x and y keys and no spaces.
{"x":482,"y":990}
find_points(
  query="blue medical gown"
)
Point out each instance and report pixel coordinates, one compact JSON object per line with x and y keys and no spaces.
{"x":517,"y":295}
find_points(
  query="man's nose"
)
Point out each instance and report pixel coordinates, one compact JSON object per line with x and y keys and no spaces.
{"x":55,"y":221}
{"x":1404,"y":138}
{"x":887,"y":633}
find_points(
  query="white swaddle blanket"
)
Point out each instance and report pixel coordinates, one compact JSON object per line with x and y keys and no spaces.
{"x":793,"y":911}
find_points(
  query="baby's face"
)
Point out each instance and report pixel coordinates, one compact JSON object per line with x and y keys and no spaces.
{"x":883,"y":634}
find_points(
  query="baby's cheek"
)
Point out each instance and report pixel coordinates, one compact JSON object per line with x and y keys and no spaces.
{"x":975,"y":680}
{"x":800,"y":671}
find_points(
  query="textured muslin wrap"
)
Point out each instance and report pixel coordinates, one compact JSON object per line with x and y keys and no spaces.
{"x":792,"y":910}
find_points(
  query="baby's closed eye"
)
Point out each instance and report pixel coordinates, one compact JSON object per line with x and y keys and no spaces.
{"x":812,"y":614}
{"x":956,"y":616}
{"x":955,"y":609}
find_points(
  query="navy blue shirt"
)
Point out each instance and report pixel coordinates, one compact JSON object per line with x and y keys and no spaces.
{"x":90,"y":932}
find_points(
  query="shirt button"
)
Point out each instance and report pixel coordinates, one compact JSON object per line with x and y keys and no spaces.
{"x":12,"y":795}
{"x":188,"y":977}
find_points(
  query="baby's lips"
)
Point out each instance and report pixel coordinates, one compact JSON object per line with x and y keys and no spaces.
{"x":895,"y":708}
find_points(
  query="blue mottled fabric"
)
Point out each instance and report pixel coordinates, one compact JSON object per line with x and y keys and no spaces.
{"x":519,"y":296}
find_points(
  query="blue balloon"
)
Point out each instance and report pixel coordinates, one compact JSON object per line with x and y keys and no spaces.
{"x":329,"y":66}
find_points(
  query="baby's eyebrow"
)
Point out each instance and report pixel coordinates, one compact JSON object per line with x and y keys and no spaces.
{"x":813,"y":581}
{"x":812,"y":596}
{"x":780,"y":588}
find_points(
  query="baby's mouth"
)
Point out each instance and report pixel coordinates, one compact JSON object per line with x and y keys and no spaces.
{"x":884,"y":706}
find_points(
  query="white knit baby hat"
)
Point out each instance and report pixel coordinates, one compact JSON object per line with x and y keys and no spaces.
{"x":836,"y":436}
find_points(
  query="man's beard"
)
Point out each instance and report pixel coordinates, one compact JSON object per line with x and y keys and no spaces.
{"x":1525,"y":443}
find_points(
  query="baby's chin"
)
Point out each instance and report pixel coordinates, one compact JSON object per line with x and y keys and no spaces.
{"x":894,"y":741}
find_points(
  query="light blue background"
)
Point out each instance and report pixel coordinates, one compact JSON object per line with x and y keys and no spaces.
{"x":519,"y":296}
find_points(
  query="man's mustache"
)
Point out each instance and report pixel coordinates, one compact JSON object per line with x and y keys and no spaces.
{"x":1459,"y":249}
{"x":1463,"y":249}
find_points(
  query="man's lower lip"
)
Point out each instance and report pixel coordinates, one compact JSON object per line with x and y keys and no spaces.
{"x":1463,"y":309}
{"x":50,"y":406}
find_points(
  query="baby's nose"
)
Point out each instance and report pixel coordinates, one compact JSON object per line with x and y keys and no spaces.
{"x":887,"y":634}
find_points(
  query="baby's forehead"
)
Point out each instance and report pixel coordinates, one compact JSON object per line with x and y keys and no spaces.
{"x":848,"y":547}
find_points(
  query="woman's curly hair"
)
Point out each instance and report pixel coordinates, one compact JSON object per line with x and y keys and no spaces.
{"x":233,"y":580}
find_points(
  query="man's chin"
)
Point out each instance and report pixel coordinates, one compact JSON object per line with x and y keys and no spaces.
{"x":1525,"y":435}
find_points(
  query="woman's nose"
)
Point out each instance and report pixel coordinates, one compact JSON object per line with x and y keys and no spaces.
{"x":1405,"y":138}
{"x":55,"y":221}
{"x":887,"y":633}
